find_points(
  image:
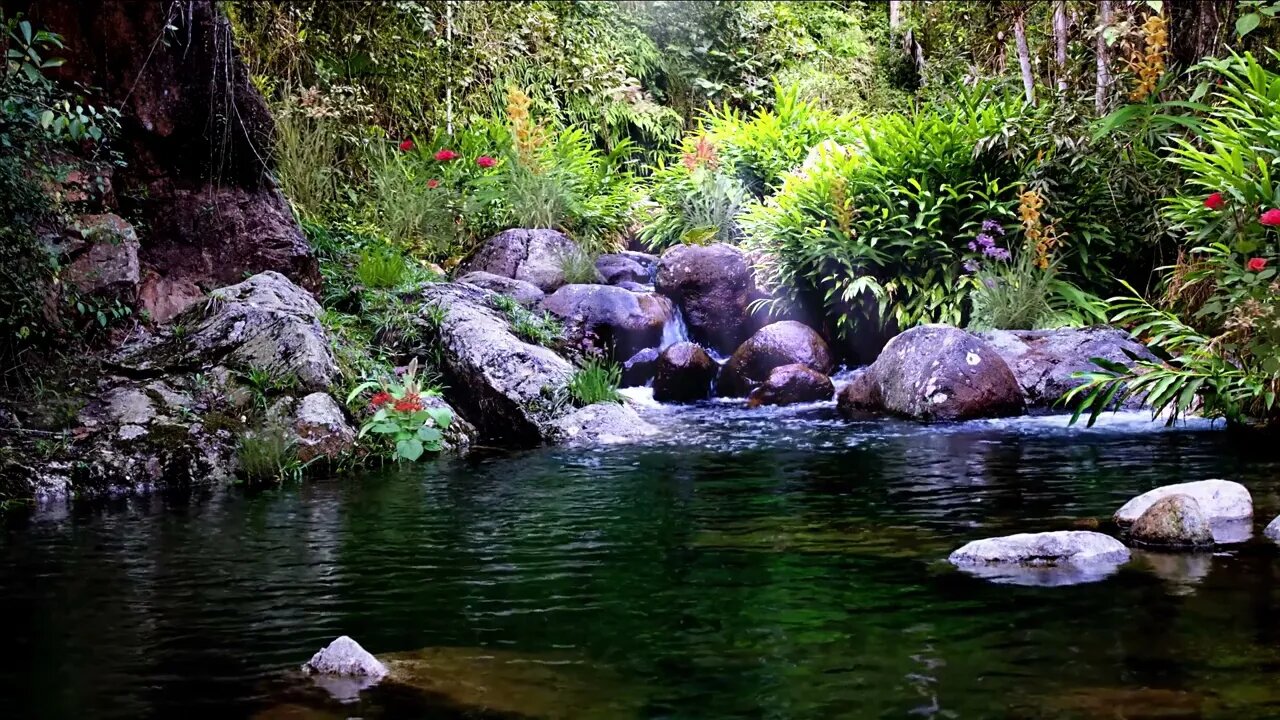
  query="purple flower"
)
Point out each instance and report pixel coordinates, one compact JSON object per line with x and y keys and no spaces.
{"x":973,"y":246}
{"x":985,"y":241}
{"x":997,"y":253}
{"x":991,"y":226}
{"x":970,"y":266}
{"x":990,"y":282}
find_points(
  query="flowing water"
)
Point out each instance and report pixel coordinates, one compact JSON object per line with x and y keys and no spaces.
{"x":751,"y":564}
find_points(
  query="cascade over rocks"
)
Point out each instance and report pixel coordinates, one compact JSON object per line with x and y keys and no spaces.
{"x":640,"y":368}
{"x":1173,"y":521}
{"x":624,"y":321}
{"x":1221,"y":501}
{"x":935,"y":372}
{"x":782,"y":343}
{"x":789,"y":384}
{"x":714,"y":286}
{"x":1044,"y":361}
{"x":525,"y":293}
{"x":534,"y":256}
{"x":684,"y":373}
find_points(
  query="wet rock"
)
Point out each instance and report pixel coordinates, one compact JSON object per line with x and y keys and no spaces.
{"x":1172,"y":521}
{"x":1063,"y":557}
{"x":265,"y":323}
{"x":344,"y":656}
{"x":601,"y":424}
{"x":320,"y":429}
{"x":781,"y":343}
{"x":619,"y":268}
{"x":936,"y":372}
{"x":525,"y":293}
{"x":635,"y":287}
{"x":623,"y":321}
{"x":640,"y":368}
{"x":790,"y":384}
{"x":684,"y":373}
{"x":859,"y":399}
{"x":1044,"y":361}
{"x":533,"y":256}
{"x":1272,"y":531}
{"x":104,"y":262}
{"x":714,"y":286}
{"x":1220,"y":501}
{"x":461,"y":434}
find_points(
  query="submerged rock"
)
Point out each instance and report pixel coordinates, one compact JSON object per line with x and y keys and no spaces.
{"x":525,"y":293}
{"x":344,"y":656}
{"x":781,"y":343}
{"x":714,"y":285}
{"x":534,"y":256}
{"x":936,"y":372}
{"x":684,"y":373}
{"x":1045,"y":361}
{"x":1221,"y":501}
{"x":792,"y":384}
{"x":623,"y":321}
{"x":603,"y":423}
{"x":1272,"y":531}
{"x":1174,"y":521}
{"x":1064,"y":557}
{"x":639,"y":369}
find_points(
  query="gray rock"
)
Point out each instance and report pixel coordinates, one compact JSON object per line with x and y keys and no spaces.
{"x":936,"y":372}
{"x":790,"y":384}
{"x":106,"y":261}
{"x":1221,"y":501}
{"x":1044,"y":559}
{"x":344,"y":656}
{"x":640,"y":368}
{"x":534,"y":256}
{"x":1044,"y":361}
{"x":461,"y":434}
{"x":320,"y":429}
{"x":265,"y":323}
{"x":782,"y":343}
{"x":525,"y":293}
{"x":684,"y":373}
{"x":624,"y":322}
{"x":1172,"y":521}
{"x":1272,"y":531}
{"x":619,"y":268}
{"x":714,"y":285}
{"x":601,"y":424}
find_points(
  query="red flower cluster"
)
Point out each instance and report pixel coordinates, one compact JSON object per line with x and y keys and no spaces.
{"x":379,"y":399}
{"x":409,"y":403}
{"x":445,"y":155}
{"x":485,"y":161}
{"x":406,"y":145}
{"x":1256,"y":264}
{"x":1270,"y":218}
{"x":1215,"y":201}
{"x":433,"y":183}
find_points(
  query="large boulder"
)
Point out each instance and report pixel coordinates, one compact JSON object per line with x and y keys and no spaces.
{"x":265,"y":324}
{"x":624,"y":267}
{"x":534,"y":256}
{"x":714,"y":285}
{"x":1172,"y":521}
{"x":103,"y":258}
{"x":782,"y":343}
{"x":1221,"y":501}
{"x":1045,"y":361}
{"x":525,"y":293}
{"x":684,"y":373}
{"x":790,"y":384}
{"x":1063,"y":557}
{"x":623,"y":321}
{"x":936,"y":372}
{"x":603,"y":423}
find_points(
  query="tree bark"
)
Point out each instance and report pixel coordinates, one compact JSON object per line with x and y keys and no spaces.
{"x":1197,"y":29}
{"x":1024,"y":56}
{"x":1104,"y":59}
{"x":1060,"y":42}
{"x":895,"y":14}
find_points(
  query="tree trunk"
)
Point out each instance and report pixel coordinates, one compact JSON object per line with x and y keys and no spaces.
{"x":1104,"y":58}
{"x":1024,"y":57}
{"x":895,"y":14}
{"x":1197,"y":29}
{"x":1060,"y":42}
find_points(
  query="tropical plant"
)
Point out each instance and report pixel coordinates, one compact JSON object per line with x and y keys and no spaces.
{"x":400,"y":416}
{"x":381,"y":267}
{"x":596,"y":381}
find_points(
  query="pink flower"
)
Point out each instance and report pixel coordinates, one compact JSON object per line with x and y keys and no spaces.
{"x":1256,"y":264}
{"x":485,"y":161}
{"x":1270,"y":218}
{"x":433,"y":183}
{"x":406,"y":145}
{"x":445,"y":155}
{"x":1215,"y":201}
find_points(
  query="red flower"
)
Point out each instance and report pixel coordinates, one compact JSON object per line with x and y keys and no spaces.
{"x":445,"y":155}
{"x":1256,"y":264}
{"x":1270,"y":218}
{"x":379,"y":399}
{"x":1215,"y":201}
{"x":433,"y":183}
{"x":485,"y":161}
{"x":409,"y":403}
{"x":406,"y":145}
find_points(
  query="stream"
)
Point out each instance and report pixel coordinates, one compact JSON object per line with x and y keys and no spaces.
{"x":770,"y":563}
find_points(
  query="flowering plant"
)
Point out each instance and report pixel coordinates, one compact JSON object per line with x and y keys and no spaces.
{"x":398,"y":414}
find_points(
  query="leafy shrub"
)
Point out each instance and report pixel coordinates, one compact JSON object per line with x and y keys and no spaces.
{"x":381,"y":267}
{"x":29,"y":267}
{"x":596,"y":381}
{"x":410,"y":210}
{"x":399,"y":415}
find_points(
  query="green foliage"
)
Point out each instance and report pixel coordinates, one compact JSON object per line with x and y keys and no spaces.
{"x":399,"y":415}
{"x":540,"y":328}
{"x":596,"y":381}
{"x":381,"y":267}
{"x":579,"y":267}
{"x":268,"y":455}
{"x":694,"y":207}
{"x":408,"y":211}
{"x":29,"y":267}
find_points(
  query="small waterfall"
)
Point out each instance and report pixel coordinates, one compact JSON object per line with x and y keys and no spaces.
{"x":674,"y":329}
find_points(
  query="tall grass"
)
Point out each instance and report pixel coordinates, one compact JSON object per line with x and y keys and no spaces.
{"x":382,"y":267}
{"x":595,"y":382}
{"x":306,"y":156}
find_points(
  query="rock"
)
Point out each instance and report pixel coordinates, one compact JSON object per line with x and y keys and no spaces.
{"x":624,"y":322}
{"x":525,"y":293}
{"x":344,"y":656}
{"x":1044,"y":361}
{"x":859,"y":399}
{"x":684,"y":373}
{"x":163,"y":299}
{"x":639,"y":369}
{"x":1063,"y":557}
{"x":106,"y":262}
{"x":265,"y":323}
{"x":714,"y":286}
{"x":781,"y":343}
{"x":534,"y":256}
{"x":635,"y":287}
{"x":601,"y":424}
{"x":461,"y":434}
{"x":1272,"y":531}
{"x":1173,"y":520}
{"x":936,"y":372}
{"x":1220,"y":501}
{"x":320,"y":429}
{"x":790,"y":384}
{"x":620,"y":268}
